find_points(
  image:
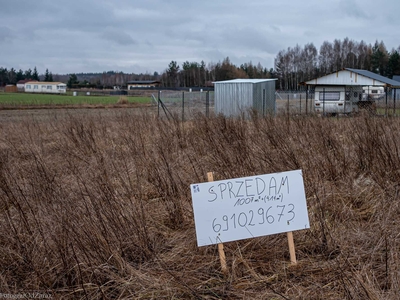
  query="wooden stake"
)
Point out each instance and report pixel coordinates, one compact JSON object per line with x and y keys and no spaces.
{"x":222,"y":258}
{"x":291,"y":248}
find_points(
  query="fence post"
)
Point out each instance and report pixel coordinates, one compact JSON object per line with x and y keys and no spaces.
{"x":288,"y":103}
{"x":386,"y":104}
{"x":307,"y":101}
{"x":394,"y":103}
{"x":300,"y":103}
{"x":158,"y":103}
{"x":183,"y":106}
{"x":207,"y":103}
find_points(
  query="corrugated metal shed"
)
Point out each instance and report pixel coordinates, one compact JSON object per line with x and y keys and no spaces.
{"x":239,"y":96}
{"x":350,"y":77}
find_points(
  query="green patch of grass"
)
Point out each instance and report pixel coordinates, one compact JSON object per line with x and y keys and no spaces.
{"x":24,"y":99}
{"x":389,"y":111}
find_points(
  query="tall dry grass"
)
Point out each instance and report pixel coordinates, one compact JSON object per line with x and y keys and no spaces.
{"x":99,"y":207}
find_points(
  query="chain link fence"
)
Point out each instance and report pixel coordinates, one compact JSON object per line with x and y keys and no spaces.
{"x":389,"y":103}
{"x":383,"y":101}
{"x":184,"y":105}
{"x":294,"y":102}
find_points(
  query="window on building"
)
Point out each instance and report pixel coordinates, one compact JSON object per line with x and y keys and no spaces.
{"x":49,"y":87}
{"x":35,"y":87}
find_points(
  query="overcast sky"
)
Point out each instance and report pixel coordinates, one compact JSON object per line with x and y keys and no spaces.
{"x":139,"y":36}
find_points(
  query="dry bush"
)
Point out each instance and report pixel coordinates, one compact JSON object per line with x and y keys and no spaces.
{"x":123,"y":100}
{"x":99,"y":207}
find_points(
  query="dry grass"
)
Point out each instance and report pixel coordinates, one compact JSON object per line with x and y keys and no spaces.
{"x":123,"y":100}
{"x":99,"y":207}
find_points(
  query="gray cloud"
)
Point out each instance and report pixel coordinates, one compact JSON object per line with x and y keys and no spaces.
{"x":352,"y":9}
{"x":118,"y":36}
{"x":145,"y":35}
{"x":6,"y":34}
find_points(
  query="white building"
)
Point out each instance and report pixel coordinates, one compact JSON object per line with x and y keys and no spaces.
{"x":45,"y":87}
{"x":137,"y":84}
{"x":347,"y":90}
{"x":21,"y":84}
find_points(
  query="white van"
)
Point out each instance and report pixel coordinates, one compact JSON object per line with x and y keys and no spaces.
{"x":337,"y":99}
{"x":372,"y":93}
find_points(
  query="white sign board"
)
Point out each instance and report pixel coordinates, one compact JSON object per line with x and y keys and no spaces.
{"x":241,"y":208}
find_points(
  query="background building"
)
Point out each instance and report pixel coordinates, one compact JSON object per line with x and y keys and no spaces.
{"x":45,"y":87}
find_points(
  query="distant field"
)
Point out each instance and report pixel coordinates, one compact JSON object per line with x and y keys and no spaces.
{"x":22,"y":99}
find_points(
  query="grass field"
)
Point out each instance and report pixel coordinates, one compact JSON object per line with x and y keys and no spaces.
{"x":23,"y":99}
{"x":391,"y":111}
{"x":98,"y":206}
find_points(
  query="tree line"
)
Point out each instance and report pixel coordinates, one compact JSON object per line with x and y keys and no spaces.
{"x":201,"y":75}
{"x":297,"y":64}
{"x":291,"y":66}
{"x":12,"y":76}
{"x":192,"y":74}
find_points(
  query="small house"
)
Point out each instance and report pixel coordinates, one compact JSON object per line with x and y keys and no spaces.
{"x":21,"y":84}
{"x":45,"y":87}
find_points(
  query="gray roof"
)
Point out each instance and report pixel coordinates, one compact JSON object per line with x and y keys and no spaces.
{"x":142,"y":81}
{"x":369,"y":74}
{"x":396,"y":77}
{"x":246,"y":80}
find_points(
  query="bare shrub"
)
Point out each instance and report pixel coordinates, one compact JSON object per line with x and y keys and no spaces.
{"x":123,"y":100}
{"x":99,"y":207}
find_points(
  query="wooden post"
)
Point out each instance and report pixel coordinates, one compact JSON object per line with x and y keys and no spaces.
{"x":291,"y":248}
{"x":221,"y":252}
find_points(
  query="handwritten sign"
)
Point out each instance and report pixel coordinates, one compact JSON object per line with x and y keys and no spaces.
{"x":241,"y":208}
